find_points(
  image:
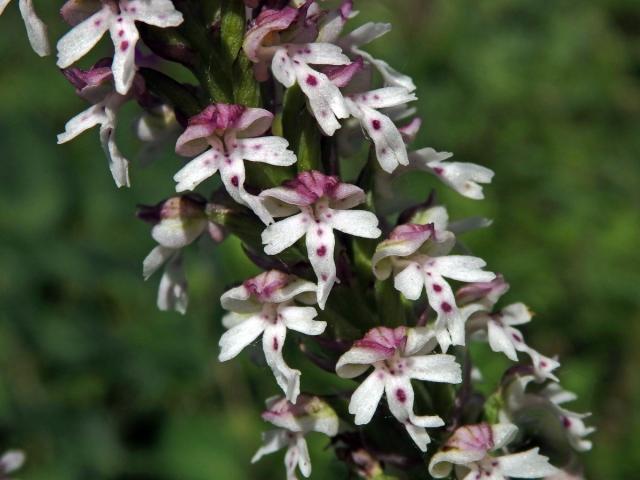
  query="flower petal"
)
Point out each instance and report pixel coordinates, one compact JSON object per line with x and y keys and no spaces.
{"x":118,"y":164}
{"x":301,"y":319}
{"x":384,"y":97}
{"x":529,"y":464}
{"x":83,"y":37}
{"x":125,"y":37}
{"x":271,"y":150}
{"x":365,"y":399}
{"x":91,"y":117}
{"x":197,"y":170}
{"x":282,"y":68}
{"x":281,"y":235}
{"x":159,"y":13}
{"x":272,"y":441}
{"x":36,"y":29}
{"x":172,"y":292}
{"x":325,"y":100}
{"x":318,"y":54}
{"x":435,"y":368}
{"x":500,"y":341}
{"x":391,"y":150}
{"x":156,"y":258}
{"x":410,"y":281}
{"x":463,"y":268}
{"x":359,"y":223}
{"x":234,"y":340}
{"x":272,"y":342}
{"x":320,"y":245}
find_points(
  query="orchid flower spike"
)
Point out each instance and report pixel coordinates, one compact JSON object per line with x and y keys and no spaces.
{"x":418,"y":257}
{"x":266,"y":42}
{"x":96,"y":86}
{"x":92,"y":19}
{"x":498,"y":328}
{"x":396,"y":358}
{"x":390,"y":147}
{"x":36,"y":29}
{"x":228,"y":135}
{"x":177,"y":222}
{"x":323,"y":204}
{"x":468,"y":449}
{"x":265,"y":305}
{"x":464,"y":178}
{"x":294,"y":422}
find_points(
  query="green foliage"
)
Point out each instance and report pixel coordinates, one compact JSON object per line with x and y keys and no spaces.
{"x":97,"y":384}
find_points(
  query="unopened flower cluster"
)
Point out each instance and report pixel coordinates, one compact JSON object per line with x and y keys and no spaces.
{"x":353,"y":245}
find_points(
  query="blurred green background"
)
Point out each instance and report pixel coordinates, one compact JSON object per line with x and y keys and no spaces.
{"x":96,"y":383}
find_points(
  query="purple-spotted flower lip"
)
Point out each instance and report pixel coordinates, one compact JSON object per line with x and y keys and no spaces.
{"x":76,"y":11}
{"x":184,"y":206}
{"x":264,"y":285}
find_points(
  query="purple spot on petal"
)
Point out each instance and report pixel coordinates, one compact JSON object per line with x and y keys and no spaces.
{"x":437,"y":288}
{"x":376,"y":124}
{"x":438,"y":170}
{"x":321,"y":251}
{"x":275,"y":344}
{"x":566,"y":423}
{"x":401,"y":395}
{"x":324,"y":277}
{"x":516,"y":337}
{"x":121,"y":33}
{"x":234,"y":181}
{"x":446,"y":308}
{"x":124,"y":46}
{"x":312,"y":81}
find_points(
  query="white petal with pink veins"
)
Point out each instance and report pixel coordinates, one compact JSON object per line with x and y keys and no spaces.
{"x":364,"y":401}
{"x":197,"y":170}
{"x":234,"y":340}
{"x":281,"y":235}
{"x":83,"y":37}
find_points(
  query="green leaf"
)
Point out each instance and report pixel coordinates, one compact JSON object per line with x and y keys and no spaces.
{"x":231,"y":28}
{"x":246,"y":89}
